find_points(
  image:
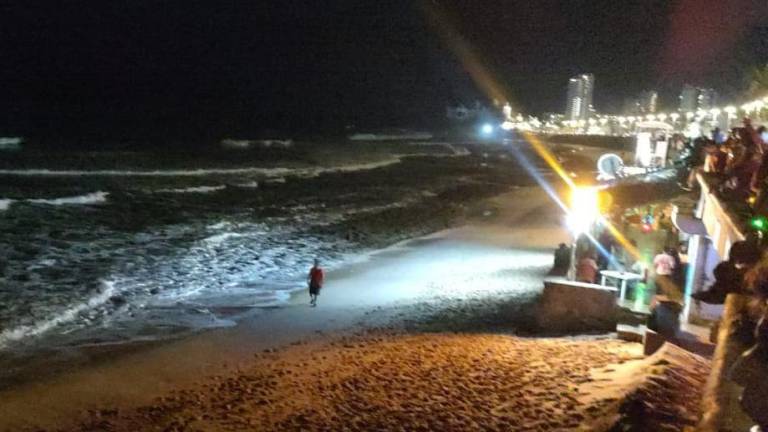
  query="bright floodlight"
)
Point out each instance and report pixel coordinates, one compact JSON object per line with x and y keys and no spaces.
{"x":584,"y":209}
{"x":486,"y":129}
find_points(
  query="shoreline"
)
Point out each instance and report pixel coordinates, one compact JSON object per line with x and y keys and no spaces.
{"x":135,"y":376}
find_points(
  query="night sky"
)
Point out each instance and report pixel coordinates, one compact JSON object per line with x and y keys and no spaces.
{"x":133,"y":69}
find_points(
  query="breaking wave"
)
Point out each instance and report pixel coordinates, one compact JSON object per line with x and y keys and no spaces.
{"x":91,"y":198}
{"x":196,"y":189}
{"x":17,"y":333}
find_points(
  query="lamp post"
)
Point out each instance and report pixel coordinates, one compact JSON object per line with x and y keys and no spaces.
{"x":674,"y":117}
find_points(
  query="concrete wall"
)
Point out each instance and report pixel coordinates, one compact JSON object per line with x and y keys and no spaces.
{"x":567,"y":306}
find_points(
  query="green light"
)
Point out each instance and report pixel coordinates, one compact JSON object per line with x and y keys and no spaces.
{"x":759,"y":223}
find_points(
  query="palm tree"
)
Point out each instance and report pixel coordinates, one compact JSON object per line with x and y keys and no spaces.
{"x":758,"y":81}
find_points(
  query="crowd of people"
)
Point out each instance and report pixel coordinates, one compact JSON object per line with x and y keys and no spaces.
{"x":735,"y":167}
{"x":736,"y":163}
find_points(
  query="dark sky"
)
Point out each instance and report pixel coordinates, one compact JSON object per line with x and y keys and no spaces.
{"x":190,"y":68}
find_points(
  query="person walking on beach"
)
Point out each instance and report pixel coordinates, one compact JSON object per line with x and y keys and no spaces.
{"x":315,"y":282}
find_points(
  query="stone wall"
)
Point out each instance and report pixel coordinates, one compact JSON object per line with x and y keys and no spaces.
{"x":568,"y":306}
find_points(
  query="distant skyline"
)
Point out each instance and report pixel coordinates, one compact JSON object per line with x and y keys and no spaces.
{"x":158,"y":68}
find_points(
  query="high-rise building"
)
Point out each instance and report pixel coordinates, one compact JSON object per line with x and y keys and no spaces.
{"x":648,"y":101}
{"x":707,"y":99}
{"x":579,"y":103}
{"x":689,"y":98}
{"x":693,"y":99}
{"x":645,"y":103}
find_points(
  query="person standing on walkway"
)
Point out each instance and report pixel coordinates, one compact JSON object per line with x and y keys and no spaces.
{"x":664,"y":266}
{"x":315,"y":282}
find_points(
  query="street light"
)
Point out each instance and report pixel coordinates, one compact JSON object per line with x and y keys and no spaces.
{"x":584,"y":209}
{"x":583,"y":213}
{"x":674,"y":117}
{"x":662,"y":117}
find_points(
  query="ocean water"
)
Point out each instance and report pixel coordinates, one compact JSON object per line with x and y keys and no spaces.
{"x":69,"y":264}
{"x":107,"y":256}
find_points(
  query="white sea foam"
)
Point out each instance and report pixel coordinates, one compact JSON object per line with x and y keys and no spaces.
{"x":132,"y":173}
{"x":91,"y":198}
{"x":267,"y":172}
{"x":253,"y":184}
{"x":220,"y":238}
{"x":220,"y":225}
{"x":196,"y":189}
{"x":66,"y":315}
{"x":5,"y":204}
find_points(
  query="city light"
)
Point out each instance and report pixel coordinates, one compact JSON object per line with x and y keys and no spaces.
{"x":486,"y":129}
{"x":507,"y":125}
{"x":584,"y":209}
{"x":759,"y":223}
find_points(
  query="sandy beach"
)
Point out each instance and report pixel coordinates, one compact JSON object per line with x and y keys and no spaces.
{"x":362,"y":359}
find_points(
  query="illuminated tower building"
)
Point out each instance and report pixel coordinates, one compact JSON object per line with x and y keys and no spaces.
{"x":579,"y":103}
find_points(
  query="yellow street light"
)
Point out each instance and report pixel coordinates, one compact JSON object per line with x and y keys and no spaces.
{"x":585,"y":209}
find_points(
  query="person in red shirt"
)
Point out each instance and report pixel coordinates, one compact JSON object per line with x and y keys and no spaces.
{"x":315,"y":282}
